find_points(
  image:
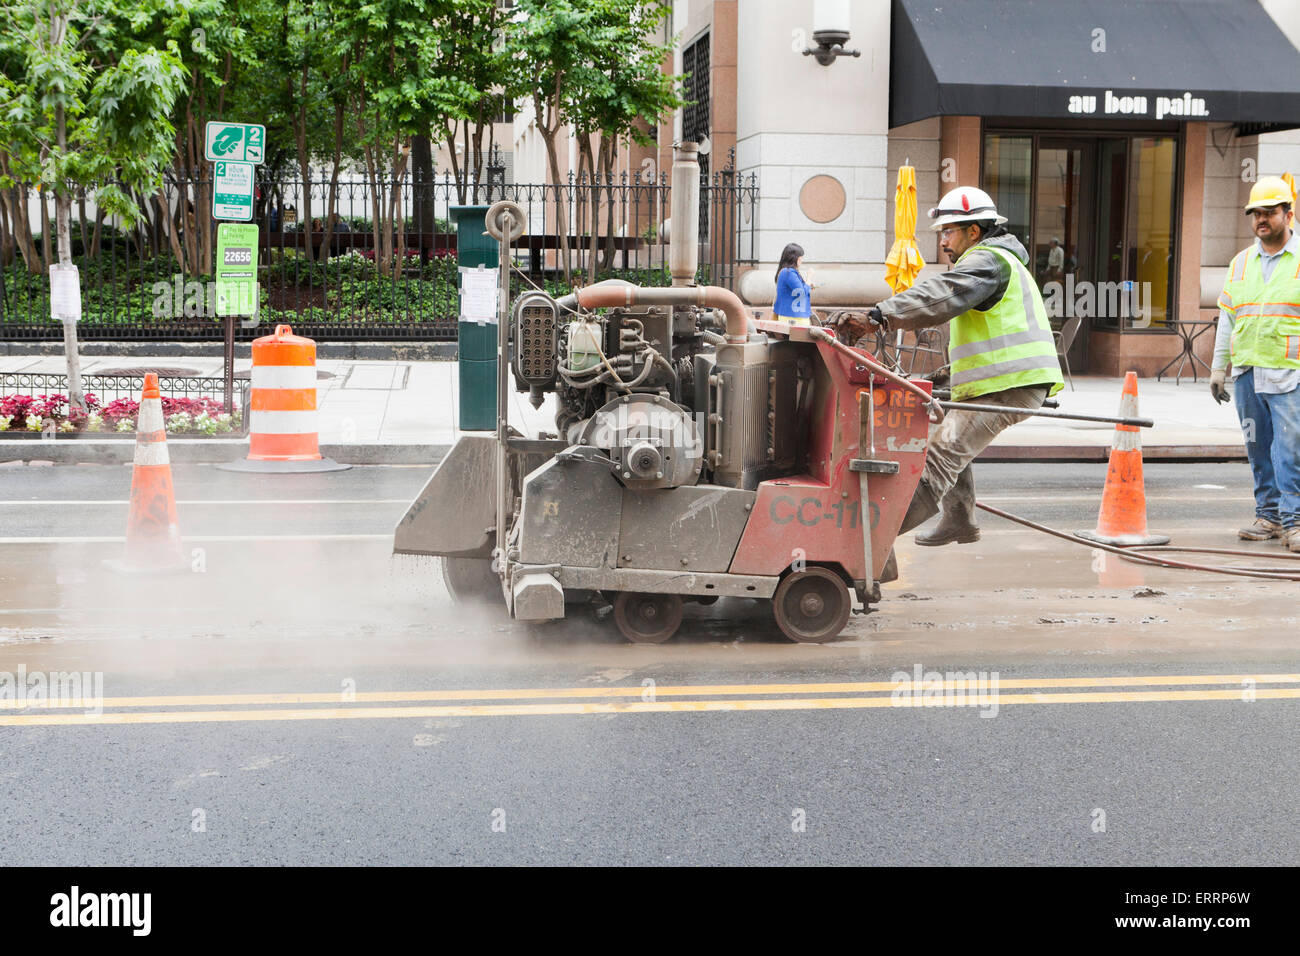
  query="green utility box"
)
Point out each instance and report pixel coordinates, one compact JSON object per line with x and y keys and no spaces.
{"x":476,"y":344}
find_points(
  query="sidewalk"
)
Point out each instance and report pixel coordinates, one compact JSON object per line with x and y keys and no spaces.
{"x":374,"y":412}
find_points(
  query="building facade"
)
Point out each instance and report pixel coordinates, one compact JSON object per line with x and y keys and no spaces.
{"x":1119,"y":137}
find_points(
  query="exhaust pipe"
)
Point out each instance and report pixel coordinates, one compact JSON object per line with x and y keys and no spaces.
{"x":684,"y":238}
{"x":601,"y":296}
{"x":683,"y":260}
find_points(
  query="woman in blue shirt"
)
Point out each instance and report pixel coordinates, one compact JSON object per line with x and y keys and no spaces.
{"x":793,"y":292}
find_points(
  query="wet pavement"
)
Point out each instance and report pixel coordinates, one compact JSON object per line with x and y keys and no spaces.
{"x":315,"y":699}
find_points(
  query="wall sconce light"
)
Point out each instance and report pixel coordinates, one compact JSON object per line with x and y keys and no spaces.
{"x":830,"y":31}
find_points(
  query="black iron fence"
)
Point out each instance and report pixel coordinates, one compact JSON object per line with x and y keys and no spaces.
{"x":356,"y":259}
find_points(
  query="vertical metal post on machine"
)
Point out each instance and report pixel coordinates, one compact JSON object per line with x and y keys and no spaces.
{"x":505,"y":223}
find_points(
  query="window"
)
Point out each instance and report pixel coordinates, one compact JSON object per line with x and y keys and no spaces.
{"x":695,"y":115}
{"x":1095,"y":211}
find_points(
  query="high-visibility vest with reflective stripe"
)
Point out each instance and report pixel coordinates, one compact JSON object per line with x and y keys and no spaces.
{"x":1008,"y":346}
{"x":1265,"y":315}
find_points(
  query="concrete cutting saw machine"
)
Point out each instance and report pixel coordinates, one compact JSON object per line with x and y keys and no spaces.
{"x":696,"y":454}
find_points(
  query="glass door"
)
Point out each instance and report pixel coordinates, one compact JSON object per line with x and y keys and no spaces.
{"x":1096,"y":214}
{"x":1062,"y":253}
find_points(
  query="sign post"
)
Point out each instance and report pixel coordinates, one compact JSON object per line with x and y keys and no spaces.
{"x":234,"y":149}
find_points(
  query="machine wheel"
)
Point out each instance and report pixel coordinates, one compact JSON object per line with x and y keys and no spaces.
{"x":647,"y":618}
{"x":812,"y":606}
{"x":471,"y":581}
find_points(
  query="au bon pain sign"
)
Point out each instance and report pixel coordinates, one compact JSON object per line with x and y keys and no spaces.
{"x":1136,"y":105}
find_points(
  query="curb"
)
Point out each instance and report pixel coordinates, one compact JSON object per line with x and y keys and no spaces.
{"x":206,"y":451}
{"x":121,"y":451}
{"x":377,"y":351}
{"x":1101,"y":453}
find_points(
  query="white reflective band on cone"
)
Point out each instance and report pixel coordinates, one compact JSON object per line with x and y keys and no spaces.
{"x":283,"y":423}
{"x":151,"y":453}
{"x":284,"y":376}
{"x":1127,"y":441}
{"x":151,"y":416}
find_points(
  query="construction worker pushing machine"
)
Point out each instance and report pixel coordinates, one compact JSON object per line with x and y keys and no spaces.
{"x":1001,"y":350}
{"x":1258,"y":340}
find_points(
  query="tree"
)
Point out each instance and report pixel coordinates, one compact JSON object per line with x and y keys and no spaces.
{"x":401,"y":80}
{"x":593,"y":65}
{"x":613,"y":94}
{"x":473,"y":50}
{"x":86,"y":107}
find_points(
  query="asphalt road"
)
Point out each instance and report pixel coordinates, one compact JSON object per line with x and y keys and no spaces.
{"x":301,"y":696}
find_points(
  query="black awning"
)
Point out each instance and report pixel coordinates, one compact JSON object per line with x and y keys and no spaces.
{"x":1206,"y":60}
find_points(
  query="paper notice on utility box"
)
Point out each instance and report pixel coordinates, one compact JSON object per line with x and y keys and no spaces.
{"x":65,"y":292}
{"x":478,"y":295}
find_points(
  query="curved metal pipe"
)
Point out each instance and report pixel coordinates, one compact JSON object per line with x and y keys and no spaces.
{"x":707,"y":296}
{"x":570,"y":302}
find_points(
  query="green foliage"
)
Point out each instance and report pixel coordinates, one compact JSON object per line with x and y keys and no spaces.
{"x":118,"y":293}
{"x":85,"y":99}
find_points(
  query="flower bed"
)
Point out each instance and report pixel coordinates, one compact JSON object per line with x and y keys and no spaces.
{"x":22,"y":415}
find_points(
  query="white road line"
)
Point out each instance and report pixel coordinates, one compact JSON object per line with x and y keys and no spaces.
{"x":1097,"y":497}
{"x":15,"y":502}
{"x":187,"y":539}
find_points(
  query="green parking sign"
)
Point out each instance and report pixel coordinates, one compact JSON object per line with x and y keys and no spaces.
{"x":232,"y":191}
{"x":237,"y":142}
{"x":236,"y":269}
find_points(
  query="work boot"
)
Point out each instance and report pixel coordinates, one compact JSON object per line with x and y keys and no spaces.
{"x":1261,"y":530}
{"x":923,"y":507}
{"x":958,"y":521}
{"x":1290,"y":539}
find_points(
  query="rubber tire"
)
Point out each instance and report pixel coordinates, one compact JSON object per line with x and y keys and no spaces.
{"x":830,"y":587}
{"x":625,"y":617}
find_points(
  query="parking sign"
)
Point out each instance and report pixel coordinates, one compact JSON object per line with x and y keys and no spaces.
{"x":236,"y":142}
{"x":232,"y":193}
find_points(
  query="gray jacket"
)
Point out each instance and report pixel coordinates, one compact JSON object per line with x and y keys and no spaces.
{"x":978,"y":282}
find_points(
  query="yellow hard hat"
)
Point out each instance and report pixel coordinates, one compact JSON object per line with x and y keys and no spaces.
{"x":1270,"y":191}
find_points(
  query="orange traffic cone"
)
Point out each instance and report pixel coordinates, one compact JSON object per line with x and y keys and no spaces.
{"x":1123,"y":517}
{"x":153,"y":539}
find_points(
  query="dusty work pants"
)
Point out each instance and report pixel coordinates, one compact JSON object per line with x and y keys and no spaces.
{"x":955,"y":442}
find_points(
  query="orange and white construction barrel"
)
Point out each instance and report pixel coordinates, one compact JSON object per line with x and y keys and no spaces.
{"x":283,"y":435}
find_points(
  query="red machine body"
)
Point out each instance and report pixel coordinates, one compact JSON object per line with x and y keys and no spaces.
{"x":817,"y":517}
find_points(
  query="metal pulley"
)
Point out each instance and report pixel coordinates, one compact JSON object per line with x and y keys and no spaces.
{"x":505,"y":220}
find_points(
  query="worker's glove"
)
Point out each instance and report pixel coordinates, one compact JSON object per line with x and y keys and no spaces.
{"x":1218,"y":385}
{"x":940,"y":376}
{"x":851,"y":326}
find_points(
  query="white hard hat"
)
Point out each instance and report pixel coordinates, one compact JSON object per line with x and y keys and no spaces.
{"x":964,"y":204}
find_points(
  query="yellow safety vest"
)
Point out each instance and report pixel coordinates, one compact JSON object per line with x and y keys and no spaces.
{"x":1265,"y":315}
{"x":1007,"y":346}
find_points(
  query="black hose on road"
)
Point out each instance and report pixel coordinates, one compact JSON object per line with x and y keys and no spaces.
{"x":1143,"y":555}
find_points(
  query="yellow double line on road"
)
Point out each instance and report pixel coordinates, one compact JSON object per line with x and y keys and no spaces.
{"x":647,"y":699}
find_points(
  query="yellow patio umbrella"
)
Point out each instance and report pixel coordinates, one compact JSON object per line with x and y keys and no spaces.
{"x":904,"y":261}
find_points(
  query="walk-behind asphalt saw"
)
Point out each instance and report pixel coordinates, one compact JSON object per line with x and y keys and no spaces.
{"x":696,"y":454}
